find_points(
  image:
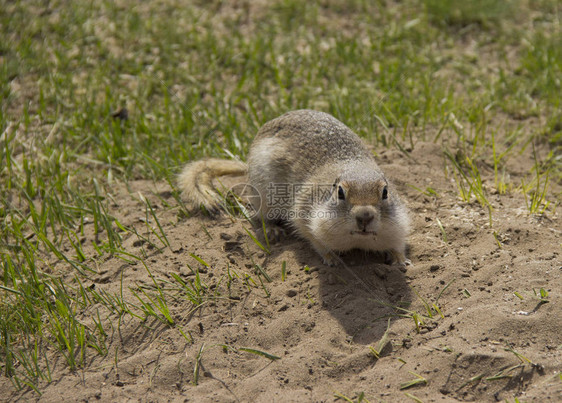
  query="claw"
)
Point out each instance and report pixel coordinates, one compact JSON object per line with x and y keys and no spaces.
{"x":403,"y":266}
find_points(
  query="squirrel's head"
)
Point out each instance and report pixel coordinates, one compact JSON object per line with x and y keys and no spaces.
{"x":361,"y":201}
{"x":362,"y":213}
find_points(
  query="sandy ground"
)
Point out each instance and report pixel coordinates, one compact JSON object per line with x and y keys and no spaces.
{"x":321,"y":321}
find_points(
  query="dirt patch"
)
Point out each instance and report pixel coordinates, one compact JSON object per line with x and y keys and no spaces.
{"x":489,"y":345}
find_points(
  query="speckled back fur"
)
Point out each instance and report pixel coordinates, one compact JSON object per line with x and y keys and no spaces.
{"x":320,"y":139}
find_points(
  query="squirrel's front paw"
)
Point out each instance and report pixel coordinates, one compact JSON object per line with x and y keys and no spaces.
{"x":395,"y":257}
{"x":329,"y":259}
{"x":403,"y":265}
{"x":275,"y":233}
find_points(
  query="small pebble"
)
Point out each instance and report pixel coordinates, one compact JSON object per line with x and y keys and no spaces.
{"x":291,"y":293}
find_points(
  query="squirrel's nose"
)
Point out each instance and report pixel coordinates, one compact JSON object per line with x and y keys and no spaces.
{"x":364,"y":218}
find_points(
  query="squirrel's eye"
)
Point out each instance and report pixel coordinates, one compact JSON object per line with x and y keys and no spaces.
{"x":341,"y":193}
{"x":385,"y":193}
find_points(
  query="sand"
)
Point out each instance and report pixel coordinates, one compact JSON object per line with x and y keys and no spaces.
{"x":321,"y":321}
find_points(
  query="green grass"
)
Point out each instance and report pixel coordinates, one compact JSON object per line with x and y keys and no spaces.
{"x":202,"y":85}
{"x":460,"y":14}
{"x":418,"y":380}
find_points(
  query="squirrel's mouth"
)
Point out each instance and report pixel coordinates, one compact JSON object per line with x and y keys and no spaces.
{"x":363,"y":233}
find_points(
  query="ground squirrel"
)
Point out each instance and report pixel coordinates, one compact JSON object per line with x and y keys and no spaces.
{"x":315,"y":176}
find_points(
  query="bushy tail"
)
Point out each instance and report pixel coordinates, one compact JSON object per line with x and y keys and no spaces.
{"x":196,"y":180}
